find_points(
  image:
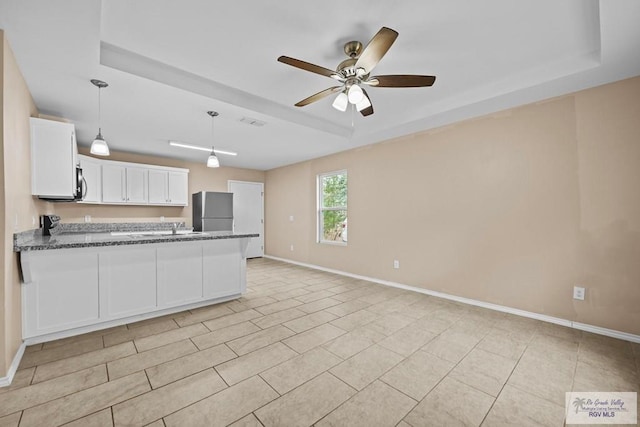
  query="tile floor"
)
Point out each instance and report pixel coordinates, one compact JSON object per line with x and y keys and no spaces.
{"x":304,"y":347}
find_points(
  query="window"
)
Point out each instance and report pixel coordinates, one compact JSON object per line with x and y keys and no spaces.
{"x":332,"y":207}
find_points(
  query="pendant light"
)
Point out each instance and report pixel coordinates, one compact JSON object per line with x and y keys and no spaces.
{"x":99,"y":146}
{"x":212,"y":161}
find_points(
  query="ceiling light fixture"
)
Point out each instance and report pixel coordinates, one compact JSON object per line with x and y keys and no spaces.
{"x":198,"y":147}
{"x":212,"y":161}
{"x":355,"y":94}
{"x":99,"y":146}
{"x":364,"y":103}
{"x":341,"y":102}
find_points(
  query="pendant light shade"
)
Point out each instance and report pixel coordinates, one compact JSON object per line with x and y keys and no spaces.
{"x":99,"y":146}
{"x":341,"y":102}
{"x":212,"y":161}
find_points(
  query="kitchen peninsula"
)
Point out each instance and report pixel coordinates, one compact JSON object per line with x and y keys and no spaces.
{"x":80,"y":281}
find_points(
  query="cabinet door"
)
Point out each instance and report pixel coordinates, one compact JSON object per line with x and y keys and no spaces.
{"x":223,"y":261}
{"x":62,"y":292}
{"x":179,"y":188}
{"x":127,"y":282}
{"x":113,"y":184}
{"x":158,"y":182}
{"x":179,"y":274}
{"x":92,"y":185}
{"x":137,"y":185}
{"x":52,"y":158}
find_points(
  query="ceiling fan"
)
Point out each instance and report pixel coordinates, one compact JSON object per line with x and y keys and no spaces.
{"x":355,"y":72}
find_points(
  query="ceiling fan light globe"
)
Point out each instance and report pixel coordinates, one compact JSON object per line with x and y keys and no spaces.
{"x":355,"y":94}
{"x":212,"y":161}
{"x":99,"y":146}
{"x":341,"y":102}
{"x":365,"y":103}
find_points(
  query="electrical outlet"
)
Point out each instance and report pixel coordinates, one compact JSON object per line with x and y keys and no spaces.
{"x":290,"y":218}
{"x":87,"y":218}
{"x":291,"y":248}
{"x":396,"y":264}
{"x":578,"y":293}
{"x":161,"y":219}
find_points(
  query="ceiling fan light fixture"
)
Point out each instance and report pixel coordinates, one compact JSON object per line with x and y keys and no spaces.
{"x":212,"y":161}
{"x":341,"y":102}
{"x":355,"y":94}
{"x":364,"y":103}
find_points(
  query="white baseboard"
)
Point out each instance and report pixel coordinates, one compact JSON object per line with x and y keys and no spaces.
{"x":543,"y":317}
{"x":6,"y":380}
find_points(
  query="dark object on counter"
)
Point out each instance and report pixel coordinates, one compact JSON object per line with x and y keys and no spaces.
{"x":212,"y":211}
{"x":48,"y":223}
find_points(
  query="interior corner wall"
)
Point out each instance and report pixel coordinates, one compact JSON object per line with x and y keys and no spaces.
{"x":19,"y":208}
{"x":201,"y":178}
{"x":514,"y":208}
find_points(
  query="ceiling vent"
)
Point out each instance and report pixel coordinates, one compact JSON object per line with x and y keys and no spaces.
{"x":252,"y":122}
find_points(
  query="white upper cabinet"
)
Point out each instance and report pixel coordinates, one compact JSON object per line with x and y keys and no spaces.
{"x":178,"y":188}
{"x":92,"y":184}
{"x":114,"y":181}
{"x":124,"y":184}
{"x":168,"y":187}
{"x":53,"y":159}
{"x":158,"y":187}
{"x":140,"y":184}
{"x":137,"y":185}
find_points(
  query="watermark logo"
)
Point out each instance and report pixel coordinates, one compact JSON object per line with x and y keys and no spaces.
{"x":599,"y":407}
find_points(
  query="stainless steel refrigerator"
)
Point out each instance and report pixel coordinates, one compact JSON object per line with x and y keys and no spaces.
{"x":212,"y":211}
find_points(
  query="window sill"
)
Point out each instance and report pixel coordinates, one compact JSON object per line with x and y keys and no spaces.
{"x":332,"y":243}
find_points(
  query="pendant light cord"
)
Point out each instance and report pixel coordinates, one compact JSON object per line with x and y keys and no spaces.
{"x":99,"y":112}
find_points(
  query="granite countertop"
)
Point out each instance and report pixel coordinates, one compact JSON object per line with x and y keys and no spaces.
{"x":75,"y":237}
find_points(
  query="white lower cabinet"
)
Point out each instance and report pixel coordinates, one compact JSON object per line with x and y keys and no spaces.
{"x":63,"y":292}
{"x":223,"y":268}
{"x":118,"y":271}
{"x":179,"y":275}
{"x":72,"y":291}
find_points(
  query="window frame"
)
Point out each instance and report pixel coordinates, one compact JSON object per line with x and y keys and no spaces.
{"x":320,"y":208}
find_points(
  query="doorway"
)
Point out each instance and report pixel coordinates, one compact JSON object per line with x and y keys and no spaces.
{"x":248,"y":213}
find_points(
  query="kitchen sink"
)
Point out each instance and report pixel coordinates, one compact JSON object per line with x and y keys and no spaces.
{"x":156,"y":233}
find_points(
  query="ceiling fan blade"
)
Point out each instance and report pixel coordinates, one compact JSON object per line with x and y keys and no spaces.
{"x":376,"y":49}
{"x":318,"y":96}
{"x":369,"y":110}
{"x":401,"y":80}
{"x":307,"y":66}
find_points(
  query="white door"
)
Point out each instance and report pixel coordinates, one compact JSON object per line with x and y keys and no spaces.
{"x":248,"y":213}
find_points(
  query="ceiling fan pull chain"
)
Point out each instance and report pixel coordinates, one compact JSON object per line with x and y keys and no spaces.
{"x":353,"y":115}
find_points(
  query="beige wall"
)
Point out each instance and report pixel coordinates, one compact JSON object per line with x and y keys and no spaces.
{"x":19,"y":207}
{"x":200,"y":178}
{"x":514,"y":208}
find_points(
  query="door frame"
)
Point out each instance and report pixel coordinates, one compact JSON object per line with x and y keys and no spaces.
{"x":230,"y":181}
